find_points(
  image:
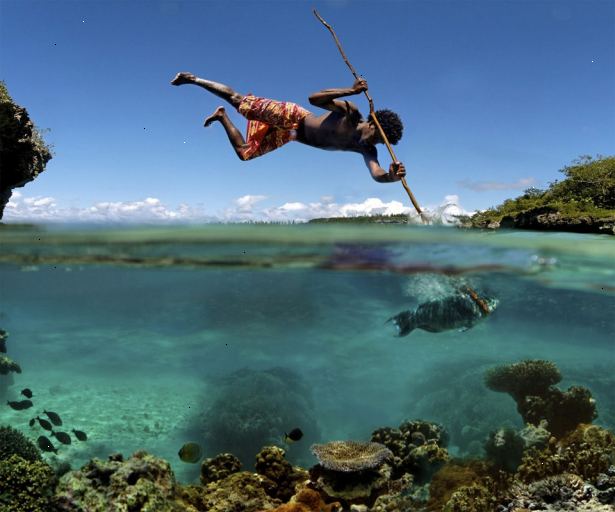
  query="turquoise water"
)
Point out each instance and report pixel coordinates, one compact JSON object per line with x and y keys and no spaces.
{"x":146,"y":338}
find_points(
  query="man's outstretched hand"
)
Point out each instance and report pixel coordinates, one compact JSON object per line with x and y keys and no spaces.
{"x":397,"y":171}
{"x":360,"y":85}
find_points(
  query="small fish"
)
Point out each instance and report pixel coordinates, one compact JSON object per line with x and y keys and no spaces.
{"x":27,"y":392}
{"x":460,"y":311}
{"x":82,"y":436}
{"x":31,"y":422}
{"x":20,"y":405}
{"x":54,"y":417}
{"x":294,"y":435}
{"x":44,"y":423}
{"x":46,"y":445}
{"x":190,"y":452}
{"x":63,"y":437}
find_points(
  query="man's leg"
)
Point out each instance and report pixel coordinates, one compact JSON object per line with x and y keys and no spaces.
{"x":221,"y":90}
{"x":234,"y":135}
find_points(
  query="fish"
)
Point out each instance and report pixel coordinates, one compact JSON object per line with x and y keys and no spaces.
{"x":82,"y":436}
{"x":54,"y":417}
{"x":20,"y":405}
{"x":460,"y":311}
{"x":190,"y":452}
{"x":31,"y":422}
{"x":294,"y":435}
{"x":46,"y":445}
{"x":63,"y":437}
{"x":27,"y":392}
{"x":44,"y":423}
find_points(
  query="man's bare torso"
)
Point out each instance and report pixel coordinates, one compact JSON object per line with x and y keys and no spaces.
{"x":333,"y":131}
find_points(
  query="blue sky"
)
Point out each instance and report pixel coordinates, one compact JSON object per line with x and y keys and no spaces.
{"x":495,"y":96}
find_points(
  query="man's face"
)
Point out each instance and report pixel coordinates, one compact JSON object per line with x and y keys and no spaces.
{"x":370,"y":133}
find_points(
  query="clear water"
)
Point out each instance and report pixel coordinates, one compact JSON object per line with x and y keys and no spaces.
{"x":133,"y":335}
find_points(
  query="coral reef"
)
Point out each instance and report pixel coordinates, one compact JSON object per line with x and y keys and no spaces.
{"x":238,"y":492}
{"x":26,"y":485}
{"x":23,"y":154}
{"x":447,"y":480}
{"x":354,"y":472}
{"x":308,"y":500}
{"x":254,"y":408}
{"x":562,"y":410}
{"x":13,"y":442}
{"x":535,"y":436}
{"x":219,"y":467}
{"x":351,"y":456}
{"x":587,"y":452}
{"x":504,"y":448}
{"x":530,"y":383}
{"x":419,"y":448}
{"x":270,"y":462}
{"x":140,"y":483}
{"x":526,"y":378}
{"x":560,"y":492}
{"x":471,"y":498}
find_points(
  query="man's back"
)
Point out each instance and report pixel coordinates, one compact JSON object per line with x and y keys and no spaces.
{"x":333,"y":131}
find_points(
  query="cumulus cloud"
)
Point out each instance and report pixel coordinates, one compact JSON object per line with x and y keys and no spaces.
{"x":485,"y":186}
{"x":247,"y":208}
{"x":148,"y":210}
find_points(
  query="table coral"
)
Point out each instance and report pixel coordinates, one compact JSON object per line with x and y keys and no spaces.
{"x":529,"y":377}
{"x":350,"y":456}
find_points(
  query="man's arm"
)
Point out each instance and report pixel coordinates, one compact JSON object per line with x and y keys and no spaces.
{"x":327,"y":98}
{"x":396,"y":172}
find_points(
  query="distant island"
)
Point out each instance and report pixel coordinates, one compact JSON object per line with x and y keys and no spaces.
{"x":583,"y":202}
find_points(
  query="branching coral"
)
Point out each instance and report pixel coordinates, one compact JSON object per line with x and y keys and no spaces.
{"x":270,"y":462}
{"x":13,"y":442}
{"x":219,"y":467}
{"x":419,"y":448}
{"x":25,"y":485}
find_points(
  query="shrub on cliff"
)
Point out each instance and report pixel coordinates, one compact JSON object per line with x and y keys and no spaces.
{"x":588,"y":189}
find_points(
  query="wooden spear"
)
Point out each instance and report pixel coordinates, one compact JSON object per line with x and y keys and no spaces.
{"x":373,"y":115}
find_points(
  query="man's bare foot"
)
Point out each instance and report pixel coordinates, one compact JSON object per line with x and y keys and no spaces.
{"x":183,"y":78}
{"x":216,"y":116}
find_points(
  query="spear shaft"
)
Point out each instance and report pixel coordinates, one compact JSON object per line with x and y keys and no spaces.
{"x":373,"y":114}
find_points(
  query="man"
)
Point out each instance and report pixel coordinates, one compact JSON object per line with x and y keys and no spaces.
{"x":272,"y":124}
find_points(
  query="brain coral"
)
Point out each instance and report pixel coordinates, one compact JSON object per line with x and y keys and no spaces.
{"x":349,"y":456}
{"x":529,"y":377}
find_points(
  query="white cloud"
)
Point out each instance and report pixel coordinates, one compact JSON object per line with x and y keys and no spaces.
{"x":244,"y":209}
{"x":484,"y":186}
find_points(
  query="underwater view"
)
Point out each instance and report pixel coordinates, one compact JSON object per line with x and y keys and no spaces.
{"x":306,"y":368}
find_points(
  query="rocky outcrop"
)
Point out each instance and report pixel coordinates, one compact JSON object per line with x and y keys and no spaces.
{"x":549,"y":219}
{"x":23,"y":153}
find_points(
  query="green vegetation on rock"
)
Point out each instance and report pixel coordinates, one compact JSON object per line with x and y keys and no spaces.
{"x":584,"y":201}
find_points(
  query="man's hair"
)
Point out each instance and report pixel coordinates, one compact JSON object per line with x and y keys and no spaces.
{"x":391,"y":124}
